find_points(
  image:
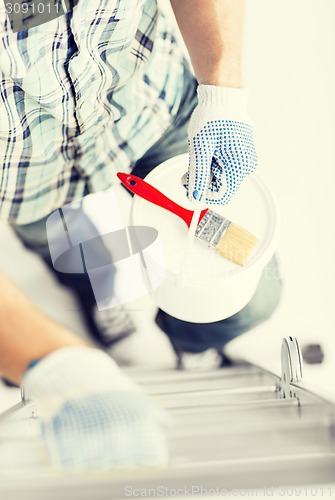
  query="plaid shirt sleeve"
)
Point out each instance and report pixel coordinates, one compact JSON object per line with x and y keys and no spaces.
{"x":82,"y":96}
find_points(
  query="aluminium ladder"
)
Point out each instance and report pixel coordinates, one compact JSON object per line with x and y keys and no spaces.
{"x":239,"y":427}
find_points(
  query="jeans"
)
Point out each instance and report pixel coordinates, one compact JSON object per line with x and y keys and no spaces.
{"x":185,"y":336}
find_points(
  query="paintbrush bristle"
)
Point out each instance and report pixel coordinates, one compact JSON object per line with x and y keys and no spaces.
{"x":236,"y":244}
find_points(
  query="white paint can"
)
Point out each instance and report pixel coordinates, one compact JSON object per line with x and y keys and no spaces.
{"x":213,"y":288}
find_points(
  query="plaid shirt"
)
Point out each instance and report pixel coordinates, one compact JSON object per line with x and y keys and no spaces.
{"x":82,"y":96}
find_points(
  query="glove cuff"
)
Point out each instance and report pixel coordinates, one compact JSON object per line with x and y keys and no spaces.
{"x":228,"y":102}
{"x":73,"y":372}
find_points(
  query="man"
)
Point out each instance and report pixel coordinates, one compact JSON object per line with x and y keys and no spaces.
{"x":92,"y":416}
{"x":103,"y":88}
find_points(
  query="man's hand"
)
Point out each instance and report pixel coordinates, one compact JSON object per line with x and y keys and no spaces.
{"x":221,"y":146}
{"x":92,"y":416}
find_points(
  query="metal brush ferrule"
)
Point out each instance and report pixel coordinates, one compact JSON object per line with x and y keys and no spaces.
{"x":211,"y":228}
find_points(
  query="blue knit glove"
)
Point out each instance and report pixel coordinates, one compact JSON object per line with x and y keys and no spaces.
{"x":221,"y":146}
{"x":92,"y":416}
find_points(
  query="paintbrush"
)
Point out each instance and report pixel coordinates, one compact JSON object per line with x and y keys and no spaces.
{"x":230,"y":240}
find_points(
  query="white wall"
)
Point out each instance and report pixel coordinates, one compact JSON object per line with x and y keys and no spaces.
{"x":290,"y":70}
{"x":289,"y":67}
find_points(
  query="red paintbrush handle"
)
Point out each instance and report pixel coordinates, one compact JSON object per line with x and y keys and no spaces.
{"x":138,"y":186}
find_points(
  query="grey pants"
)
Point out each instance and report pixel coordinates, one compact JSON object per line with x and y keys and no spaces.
{"x":185,"y":336}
